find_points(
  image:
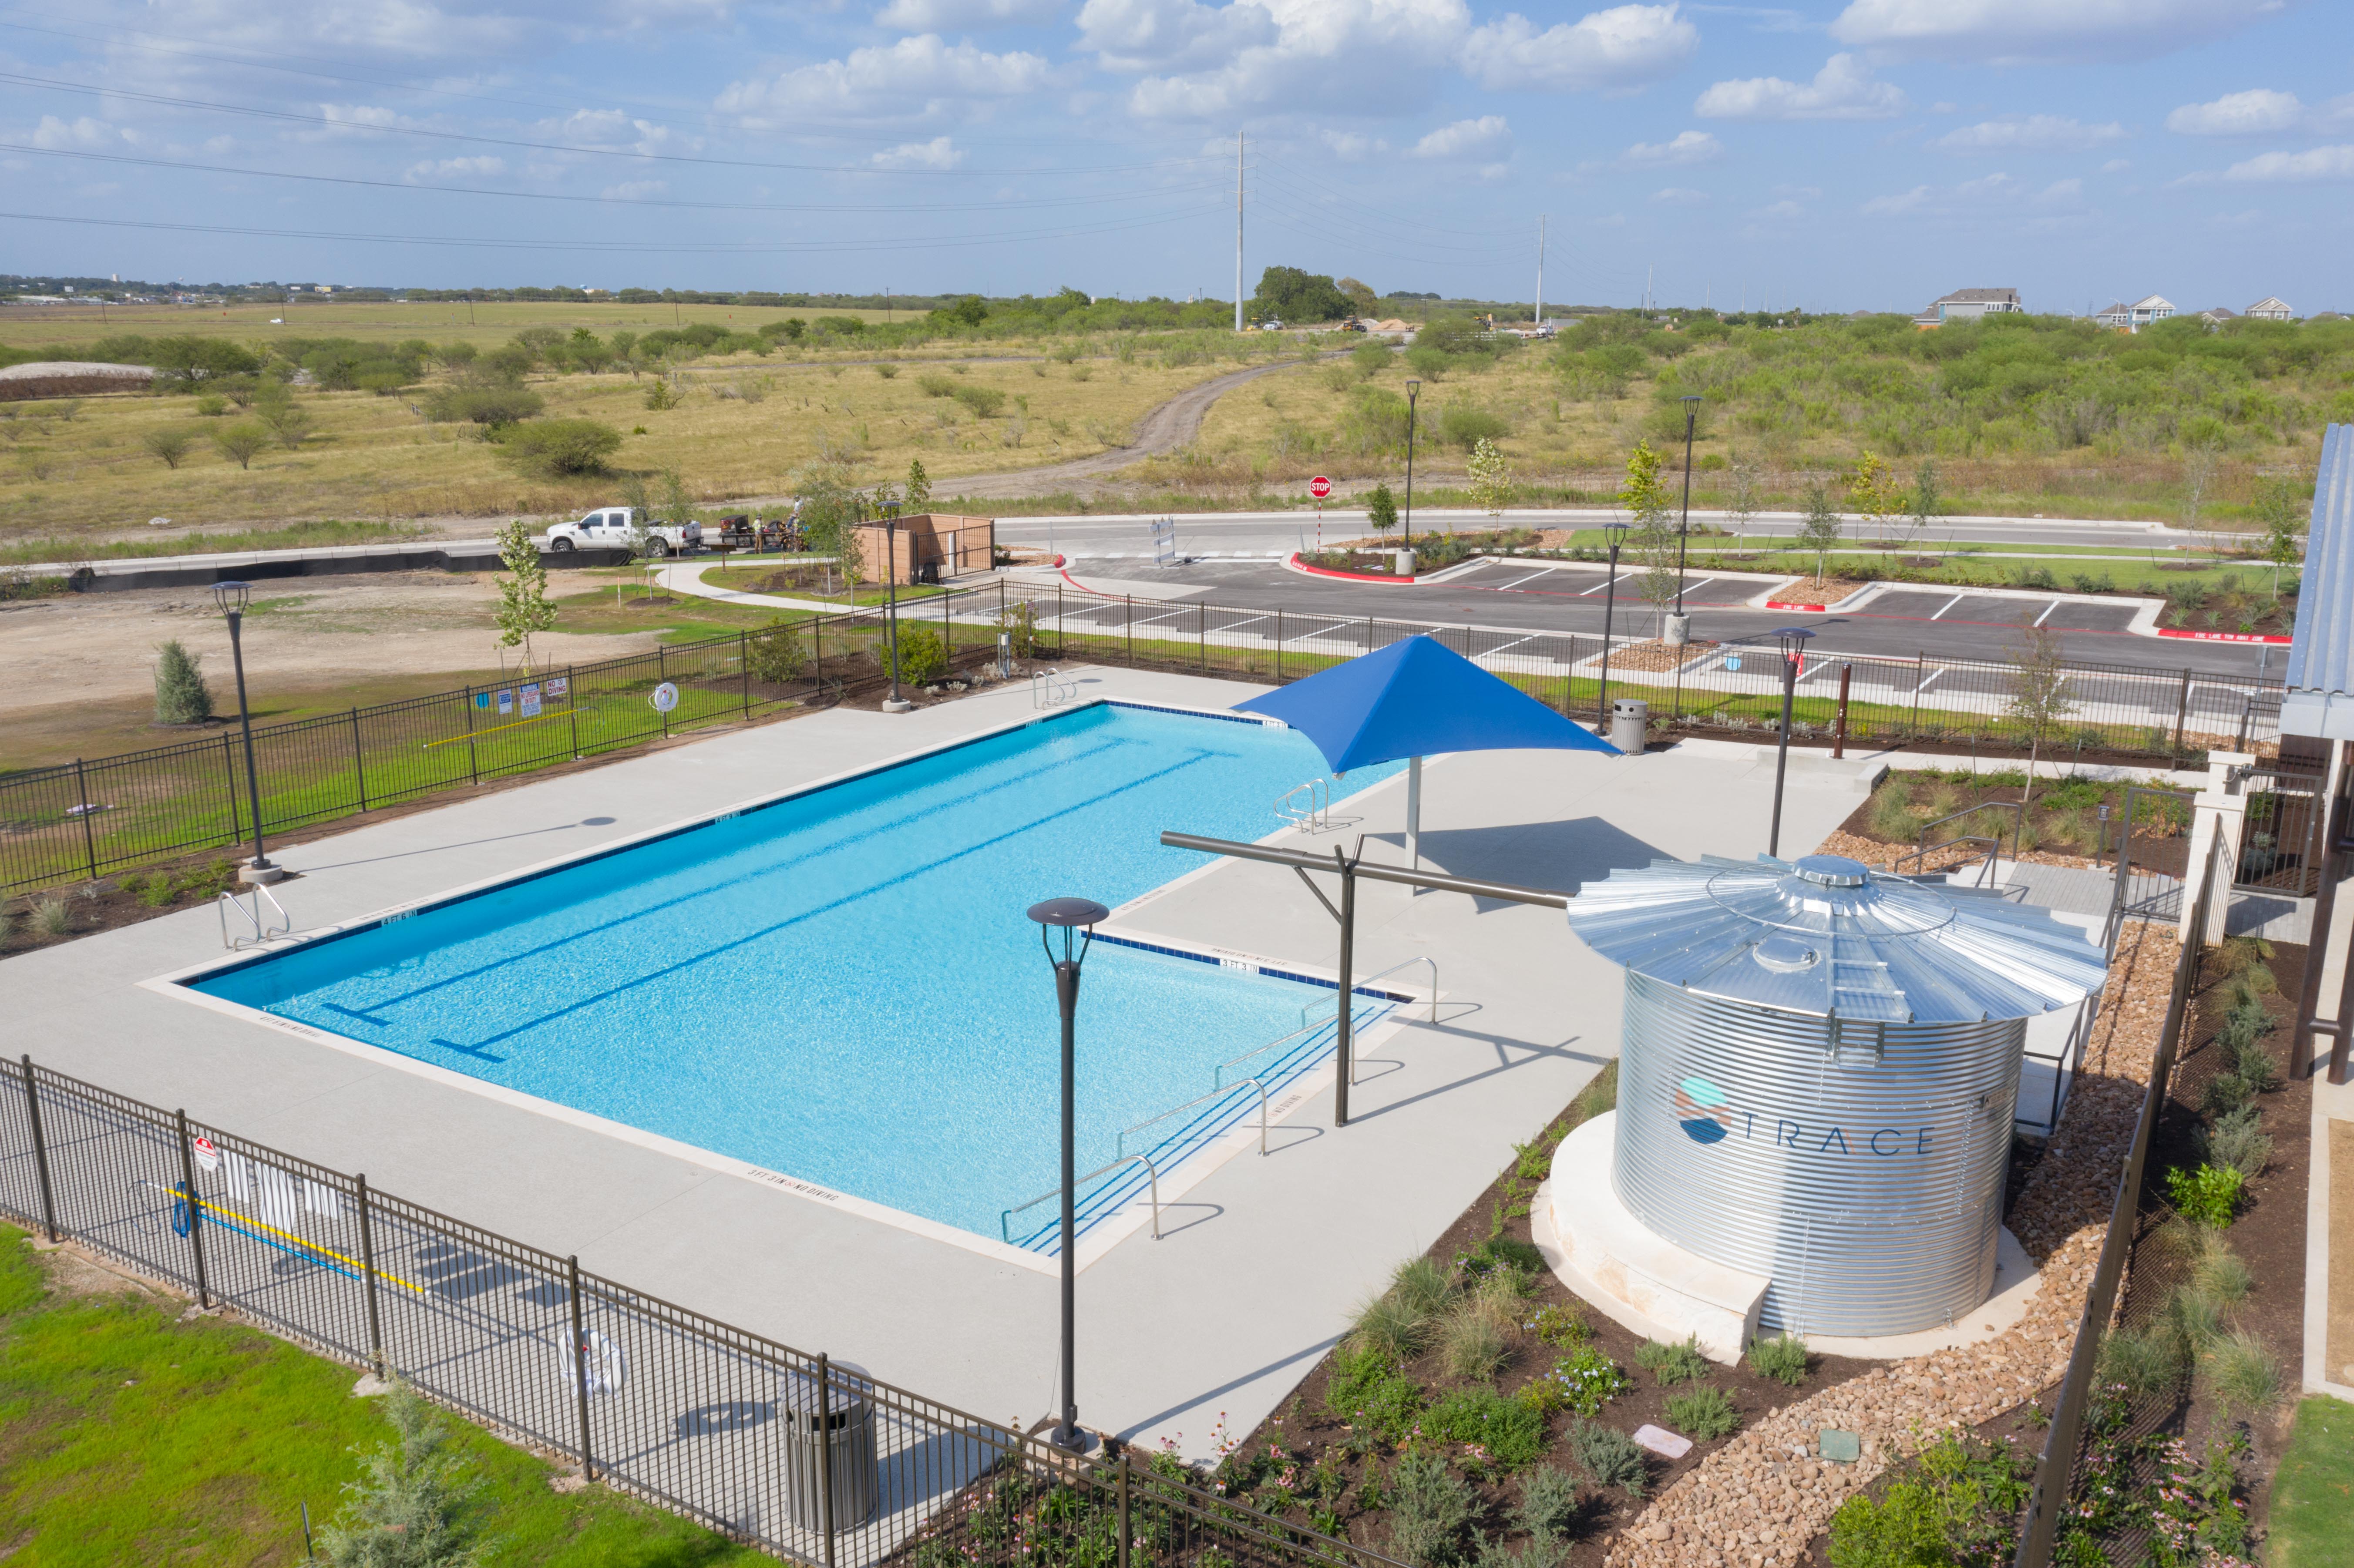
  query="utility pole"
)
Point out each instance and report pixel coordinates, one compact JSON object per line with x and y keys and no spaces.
{"x":1647,"y":290}
{"x":1538,"y":320}
{"x":1238,"y":231}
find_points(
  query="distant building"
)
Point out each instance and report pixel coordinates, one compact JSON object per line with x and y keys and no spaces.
{"x":2271,"y":308}
{"x":2218,"y":316}
{"x":2141,"y":314}
{"x":1965,"y":304}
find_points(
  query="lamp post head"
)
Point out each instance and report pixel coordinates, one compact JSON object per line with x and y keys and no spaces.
{"x":1617,"y":533}
{"x":1067,"y":915}
{"x":232,"y":597}
{"x":1793,"y":640}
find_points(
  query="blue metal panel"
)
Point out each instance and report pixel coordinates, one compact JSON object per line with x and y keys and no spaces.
{"x":2320,"y":699}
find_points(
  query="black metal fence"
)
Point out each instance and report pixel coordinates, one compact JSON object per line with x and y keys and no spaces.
{"x":87,"y":818}
{"x":786,"y":1451}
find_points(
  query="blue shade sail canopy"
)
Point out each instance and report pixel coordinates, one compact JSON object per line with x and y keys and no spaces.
{"x":1826,"y":935}
{"x":1418,"y":697}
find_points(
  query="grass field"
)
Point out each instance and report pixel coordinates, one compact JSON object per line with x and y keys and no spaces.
{"x":132,"y":1436}
{"x":2313,"y":1492}
{"x":485,"y":325}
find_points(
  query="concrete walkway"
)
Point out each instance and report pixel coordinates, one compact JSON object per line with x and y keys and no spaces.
{"x":2330,"y":1197}
{"x":1262,"y":1259}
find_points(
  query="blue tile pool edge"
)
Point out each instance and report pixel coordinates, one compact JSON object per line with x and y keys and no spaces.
{"x":1207,"y":1150}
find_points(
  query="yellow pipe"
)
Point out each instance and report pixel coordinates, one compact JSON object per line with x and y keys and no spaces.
{"x":478,"y":734}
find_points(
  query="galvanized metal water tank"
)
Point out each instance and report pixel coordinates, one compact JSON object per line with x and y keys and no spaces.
{"x":1818,"y":1073}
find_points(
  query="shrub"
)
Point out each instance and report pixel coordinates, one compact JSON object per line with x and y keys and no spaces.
{"x":985,"y":402}
{"x":1901,"y":1531}
{"x":2195,"y":1318}
{"x":2253,"y":1065}
{"x":2224,"y":1094}
{"x":2237,"y":1142}
{"x":2243,"y":1368}
{"x":1609,"y":1457}
{"x":241,"y":442}
{"x":1020,"y":624}
{"x":1588,"y":1379}
{"x":1422,"y":1284}
{"x":923,"y":655}
{"x":415,"y":1504}
{"x":774,"y":653}
{"x":1513,"y":1433}
{"x":1891,"y":813}
{"x":659,"y":397}
{"x":1548,"y":1505}
{"x":2209,"y":1196}
{"x":937,"y":386}
{"x":1368,"y":1392}
{"x":181,"y":694}
{"x":1474,"y":1340}
{"x":1703,"y":1413}
{"x":493,"y":406}
{"x":1672,"y":1363}
{"x":1783,"y":1359}
{"x":52,"y":917}
{"x":1431,"y":1509}
{"x":1466,"y":426}
{"x":170,"y":444}
{"x":2219,"y":1274}
{"x":1388,"y":1324}
{"x":556,"y":449}
{"x":1536,"y":1551}
{"x":1564,"y":1328}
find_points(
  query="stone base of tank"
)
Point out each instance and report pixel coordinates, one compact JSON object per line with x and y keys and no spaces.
{"x":1638,"y":1277}
{"x":1650,"y":1286}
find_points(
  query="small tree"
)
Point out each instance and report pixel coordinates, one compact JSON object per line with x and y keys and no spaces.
{"x":1653,"y":537}
{"x":919,"y":486}
{"x":1927,"y":496}
{"x":181,"y":694}
{"x":414,"y":1504}
{"x":2039,"y":694}
{"x":2283,"y":517}
{"x":677,"y":506}
{"x":522,"y":592}
{"x":774,"y":654}
{"x":1380,"y":509}
{"x":170,"y":443}
{"x":1873,"y":493}
{"x":1491,"y":480}
{"x":241,"y":442}
{"x":1822,"y":529}
{"x":1741,"y":497}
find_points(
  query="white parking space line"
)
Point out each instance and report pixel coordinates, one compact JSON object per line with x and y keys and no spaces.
{"x":2046,"y":612}
{"x":1515,"y":643}
{"x":1171,"y":616}
{"x":1325,"y":631}
{"x":1543,"y":572}
{"x":1236,"y":625}
{"x":1695,"y":588}
{"x":1949,"y":604}
{"x":1932,"y":681}
{"x":1598,"y":588}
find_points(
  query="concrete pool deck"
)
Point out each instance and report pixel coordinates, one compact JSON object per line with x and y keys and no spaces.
{"x":1261,"y":1260}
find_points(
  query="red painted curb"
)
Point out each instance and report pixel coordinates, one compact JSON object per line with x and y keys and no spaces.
{"x":1297,"y":565}
{"x":1778,"y":604}
{"x":2222,"y":636}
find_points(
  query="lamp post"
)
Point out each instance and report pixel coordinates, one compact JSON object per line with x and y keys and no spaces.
{"x":1412,"y":390}
{"x":1793,"y":641}
{"x":232,"y":599}
{"x":1067,"y":915}
{"x":1618,"y":533}
{"x":1691,"y":416}
{"x":894,"y":702}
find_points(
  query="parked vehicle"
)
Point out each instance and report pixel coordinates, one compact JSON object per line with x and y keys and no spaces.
{"x":616,"y":528}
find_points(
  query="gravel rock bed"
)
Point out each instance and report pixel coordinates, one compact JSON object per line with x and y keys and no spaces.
{"x":1764,"y":1497}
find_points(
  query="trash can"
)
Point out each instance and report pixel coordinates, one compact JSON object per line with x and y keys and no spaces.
{"x":1630,"y":717}
{"x":1403,"y":563}
{"x":1678,"y":631}
{"x":850,"y":1433}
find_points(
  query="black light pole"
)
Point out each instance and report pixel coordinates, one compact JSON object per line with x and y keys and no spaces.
{"x":232,"y":597}
{"x":1618,"y":532}
{"x":1793,"y":640}
{"x":894,"y":702}
{"x":1692,"y":414}
{"x":1412,"y":390}
{"x":1067,"y":915}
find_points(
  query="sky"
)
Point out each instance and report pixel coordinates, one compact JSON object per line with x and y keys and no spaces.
{"x":1871,"y":155}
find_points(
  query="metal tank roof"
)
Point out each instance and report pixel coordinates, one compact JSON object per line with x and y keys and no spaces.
{"x":2320,"y":696}
{"x":1827,"y":936}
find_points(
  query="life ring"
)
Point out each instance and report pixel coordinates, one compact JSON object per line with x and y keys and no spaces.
{"x":608,"y":1363}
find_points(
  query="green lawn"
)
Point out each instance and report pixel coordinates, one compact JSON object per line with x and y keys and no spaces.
{"x":127,"y":1435}
{"x":2313,"y":1495}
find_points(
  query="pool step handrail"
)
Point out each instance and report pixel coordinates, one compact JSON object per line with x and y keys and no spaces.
{"x":262,"y":931}
{"x":1316,"y":812}
{"x":1153,"y":1176}
{"x":1050,"y":688}
{"x":1121,"y":1144}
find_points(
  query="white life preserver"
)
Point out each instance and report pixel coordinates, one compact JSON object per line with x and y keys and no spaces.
{"x":608,"y":1363}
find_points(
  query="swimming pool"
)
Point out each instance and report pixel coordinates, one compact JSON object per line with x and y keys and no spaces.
{"x":840,"y":985}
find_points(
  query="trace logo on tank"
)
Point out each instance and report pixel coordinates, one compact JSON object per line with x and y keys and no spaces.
{"x":1701,"y":1110}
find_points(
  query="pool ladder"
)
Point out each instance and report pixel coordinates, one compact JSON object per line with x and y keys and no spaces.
{"x":262,"y":929}
{"x":1309,"y":806}
{"x":1051,"y":689}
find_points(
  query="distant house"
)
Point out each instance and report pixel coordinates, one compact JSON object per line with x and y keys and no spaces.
{"x":2271,"y":308}
{"x":1966,"y":305}
{"x":2325,"y":317}
{"x":2218,"y":316}
{"x":2141,"y":314}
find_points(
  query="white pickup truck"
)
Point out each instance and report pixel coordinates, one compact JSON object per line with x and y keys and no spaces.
{"x":620,"y":528}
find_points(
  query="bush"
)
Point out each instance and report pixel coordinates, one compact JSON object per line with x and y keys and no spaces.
{"x":937,"y":386}
{"x":491,"y":407}
{"x":1783,"y":1359}
{"x":1422,"y":1284}
{"x":1564,"y":1328}
{"x":1513,"y":1433}
{"x":1891,"y":813}
{"x":241,"y":442}
{"x":1467,"y":427}
{"x":52,"y":917}
{"x":1703,"y":1413}
{"x":1672,"y":1363}
{"x":2243,"y":1368}
{"x":1609,"y":1457}
{"x":1431,"y":1509}
{"x":1902,"y":1531}
{"x":774,"y":654}
{"x":2236,"y":1141}
{"x":659,"y":397}
{"x":1473,"y":1340}
{"x":181,"y":694}
{"x":2224,"y":1094}
{"x":985,"y":402}
{"x":556,"y":449}
{"x":923,"y":656}
{"x":1369,"y":1393}
{"x":169,"y":444}
{"x":1548,"y":1506}
{"x":1588,"y":1379}
{"x":2142,"y":1362}
{"x":2209,"y":1196}
{"x":417,"y":1503}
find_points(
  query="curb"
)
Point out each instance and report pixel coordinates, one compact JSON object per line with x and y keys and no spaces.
{"x":1292,"y":563}
{"x":2218,"y":636}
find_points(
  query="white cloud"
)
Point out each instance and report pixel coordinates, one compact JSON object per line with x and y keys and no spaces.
{"x":1689,"y":147}
{"x":911,"y":79}
{"x":456,"y":168}
{"x":1465,"y":138}
{"x":2313,"y":164}
{"x":1210,"y":62}
{"x":85,"y":132}
{"x":965,"y":15}
{"x":2028,"y":134}
{"x":1171,"y":34}
{"x":1976,"y":198}
{"x":936,"y":154}
{"x":1780,"y":212}
{"x":1621,"y":49}
{"x":2260,"y":111}
{"x":1678,"y":196}
{"x":636,"y":190}
{"x":1842,"y":89}
{"x":2116,"y":166}
{"x":1351,"y":146}
{"x":2022,"y":32}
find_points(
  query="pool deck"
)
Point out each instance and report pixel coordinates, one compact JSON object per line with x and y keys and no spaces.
{"x":1262,"y":1259}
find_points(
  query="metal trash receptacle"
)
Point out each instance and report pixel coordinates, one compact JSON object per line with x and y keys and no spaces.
{"x":1631,"y":718}
{"x":850,"y":1423}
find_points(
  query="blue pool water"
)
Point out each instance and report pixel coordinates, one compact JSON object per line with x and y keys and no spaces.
{"x":842,"y":986}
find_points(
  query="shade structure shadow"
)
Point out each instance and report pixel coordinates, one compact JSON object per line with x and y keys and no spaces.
{"x":1560,"y":855}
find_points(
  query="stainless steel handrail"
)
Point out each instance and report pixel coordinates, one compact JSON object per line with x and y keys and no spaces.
{"x":1005,"y":1219}
{"x":1051,"y":689}
{"x":2018,"y":826}
{"x":1319,"y":810}
{"x":262,"y":931}
{"x":1120,"y":1143}
{"x":1986,"y":866}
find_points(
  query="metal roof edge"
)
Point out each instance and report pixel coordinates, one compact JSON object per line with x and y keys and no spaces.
{"x":2321,"y":652}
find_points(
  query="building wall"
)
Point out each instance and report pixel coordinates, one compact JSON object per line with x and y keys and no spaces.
{"x":954,"y":544}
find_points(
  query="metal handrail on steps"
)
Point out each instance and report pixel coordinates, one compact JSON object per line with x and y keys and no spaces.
{"x":1005,"y":1219}
{"x":262,"y":931}
{"x":1317,"y":813}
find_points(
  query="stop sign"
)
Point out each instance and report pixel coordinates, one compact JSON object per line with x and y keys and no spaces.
{"x":1319,"y":487}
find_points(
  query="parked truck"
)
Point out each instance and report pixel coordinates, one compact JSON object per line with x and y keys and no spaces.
{"x":619,"y":528}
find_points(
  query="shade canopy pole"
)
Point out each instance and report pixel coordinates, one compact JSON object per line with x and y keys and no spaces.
{"x":1413,"y":813}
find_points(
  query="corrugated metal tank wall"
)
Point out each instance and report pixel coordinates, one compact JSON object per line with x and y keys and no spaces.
{"x":1867,"y":1184}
